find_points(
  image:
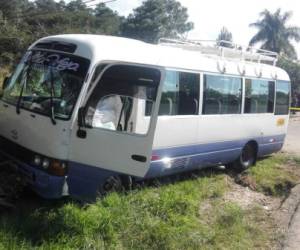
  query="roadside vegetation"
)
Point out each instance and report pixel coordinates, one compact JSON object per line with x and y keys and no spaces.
{"x":186,"y":213}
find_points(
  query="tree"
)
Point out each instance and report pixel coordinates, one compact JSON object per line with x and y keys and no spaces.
{"x":275,"y":34}
{"x":107,"y":21}
{"x":293,"y":70}
{"x":24,"y":21}
{"x":155,"y":19}
{"x":225,"y":35}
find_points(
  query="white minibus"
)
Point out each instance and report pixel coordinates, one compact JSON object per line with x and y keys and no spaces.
{"x":85,"y":114}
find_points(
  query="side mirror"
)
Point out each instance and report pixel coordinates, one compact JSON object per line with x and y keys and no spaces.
{"x":81,"y":123}
{"x":81,"y":117}
{"x":5,"y":82}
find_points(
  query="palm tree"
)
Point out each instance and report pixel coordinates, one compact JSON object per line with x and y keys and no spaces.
{"x":275,"y":34}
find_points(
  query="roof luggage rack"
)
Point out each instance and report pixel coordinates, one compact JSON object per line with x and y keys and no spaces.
{"x":224,"y":49}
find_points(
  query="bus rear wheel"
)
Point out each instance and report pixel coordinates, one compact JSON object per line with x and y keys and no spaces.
{"x":247,"y":157}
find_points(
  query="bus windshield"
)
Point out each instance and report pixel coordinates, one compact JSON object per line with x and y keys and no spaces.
{"x":46,"y":82}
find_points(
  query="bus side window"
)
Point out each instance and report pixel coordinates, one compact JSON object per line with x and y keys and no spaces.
{"x":282,"y":98}
{"x":180,"y":94}
{"x":169,"y":97}
{"x":188,"y":93}
{"x":259,"y":96}
{"x":222,"y":95}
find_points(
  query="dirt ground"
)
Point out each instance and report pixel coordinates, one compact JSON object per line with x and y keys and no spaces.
{"x":292,"y":143}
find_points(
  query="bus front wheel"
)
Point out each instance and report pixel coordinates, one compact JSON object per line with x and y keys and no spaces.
{"x":116,"y":183}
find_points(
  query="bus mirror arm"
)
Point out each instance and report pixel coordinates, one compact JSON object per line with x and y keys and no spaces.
{"x":81,"y":133}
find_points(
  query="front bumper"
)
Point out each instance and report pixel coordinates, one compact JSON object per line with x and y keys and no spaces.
{"x":44,"y":184}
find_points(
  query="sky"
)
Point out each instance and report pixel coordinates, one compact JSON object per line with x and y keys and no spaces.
{"x":236,"y":15}
{"x":210,"y":16}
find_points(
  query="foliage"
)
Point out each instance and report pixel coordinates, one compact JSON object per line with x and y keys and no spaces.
{"x":24,"y":21}
{"x":293,"y":69}
{"x":155,"y":19}
{"x":225,"y":35}
{"x":275,"y":34}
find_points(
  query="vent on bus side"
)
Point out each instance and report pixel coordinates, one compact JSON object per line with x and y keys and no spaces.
{"x":59,"y":46}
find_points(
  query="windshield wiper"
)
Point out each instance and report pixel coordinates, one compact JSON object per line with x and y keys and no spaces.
{"x":52,"y":114}
{"x":25,"y":75}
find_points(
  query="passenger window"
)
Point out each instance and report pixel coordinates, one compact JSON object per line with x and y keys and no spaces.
{"x":188,"y":103}
{"x":282,"y":98}
{"x":116,"y":101}
{"x":259,"y":96}
{"x":170,"y":94}
{"x":222,"y":95}
{"x":180,"y":94}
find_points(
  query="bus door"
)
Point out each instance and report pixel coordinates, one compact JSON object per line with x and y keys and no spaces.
{"x":115,"y":131}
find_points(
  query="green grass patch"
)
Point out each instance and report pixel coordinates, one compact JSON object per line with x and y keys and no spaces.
{"x":275,"y":175}
{"x":296,"y":159}
{"x":165,"y":217}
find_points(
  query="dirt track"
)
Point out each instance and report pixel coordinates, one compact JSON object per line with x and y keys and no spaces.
{"x":292,"y":142}
{"x":292,"y":145}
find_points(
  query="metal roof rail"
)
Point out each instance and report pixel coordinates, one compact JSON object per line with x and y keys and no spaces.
{"x":224,"y":49}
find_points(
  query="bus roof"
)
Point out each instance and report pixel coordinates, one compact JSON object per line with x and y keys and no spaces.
{"x":110,"y":48}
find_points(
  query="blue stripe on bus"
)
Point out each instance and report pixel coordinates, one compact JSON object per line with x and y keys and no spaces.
{"x":84,"y":180}
{"x":212,"y":147}
{"x":204,"y":155}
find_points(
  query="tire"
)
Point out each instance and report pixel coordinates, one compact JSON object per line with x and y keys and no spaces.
{"x":127,"y":182}
{"x":116,"y":183}
{"x":247,"y":157}
{"x":112,"y":184}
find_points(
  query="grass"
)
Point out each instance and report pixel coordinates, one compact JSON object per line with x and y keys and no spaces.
{"x":296,"y":159}
{"x":274,"y":175}
{"x":186,"y":214}
{"x":164,"y":217}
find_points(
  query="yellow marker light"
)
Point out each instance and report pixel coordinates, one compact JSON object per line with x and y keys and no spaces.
{"x":280,"y":122}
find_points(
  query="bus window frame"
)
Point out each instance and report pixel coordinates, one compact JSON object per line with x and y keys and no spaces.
{"x":290,"y":96}
{"x":225,"y":75}
{"x":90,"y":89}
{"x":200,"y":73}
{"x":274,"y":100}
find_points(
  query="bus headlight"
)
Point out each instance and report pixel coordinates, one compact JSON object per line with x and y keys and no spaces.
{"x":45,"y":163}
{"x":37,"y":160}
{"x":50,"y":165}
